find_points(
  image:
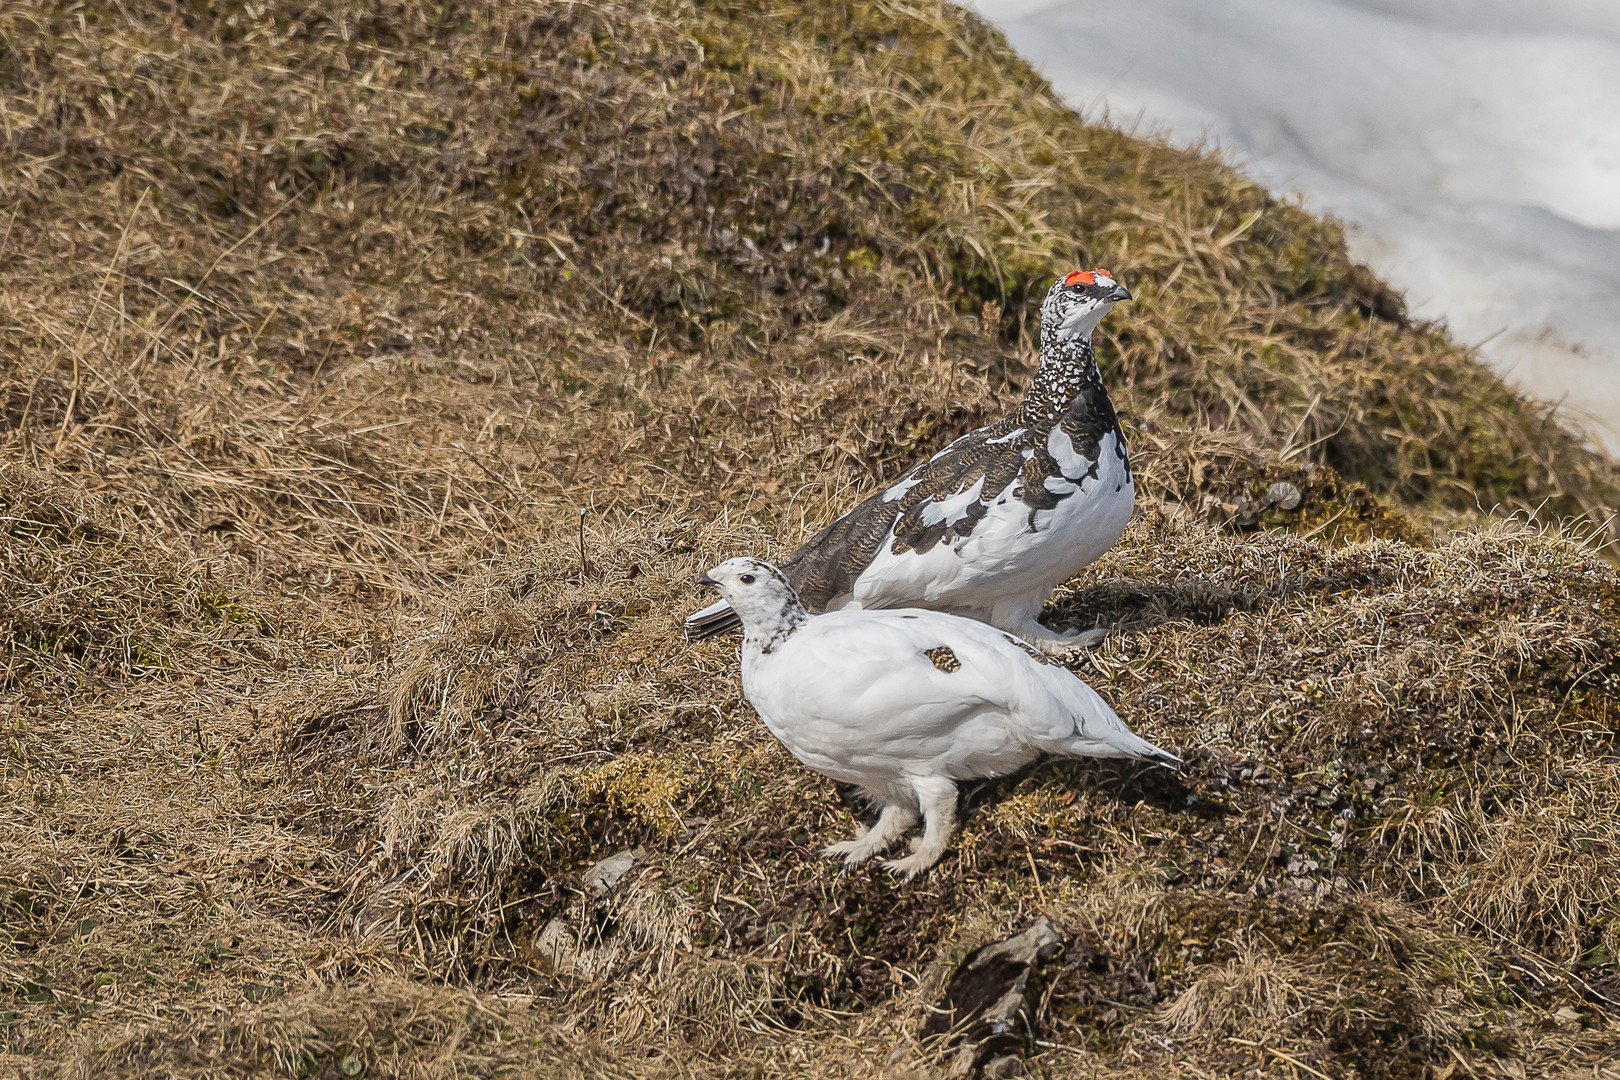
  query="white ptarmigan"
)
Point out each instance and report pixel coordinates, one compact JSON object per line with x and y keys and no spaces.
{"x":991,"y":524}
{"x":906,"y":702}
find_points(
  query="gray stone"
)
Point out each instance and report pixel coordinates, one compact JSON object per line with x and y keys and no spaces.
{"x":610,"y":871}
{"x":1282,"y":495}
{"x":556,"y":945}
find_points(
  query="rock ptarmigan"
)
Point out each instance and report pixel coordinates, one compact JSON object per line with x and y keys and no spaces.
{"x":991,"y":524}
{"x":906,"y":702}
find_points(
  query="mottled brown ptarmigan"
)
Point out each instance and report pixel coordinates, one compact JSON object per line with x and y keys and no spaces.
{"x":991,"y":524}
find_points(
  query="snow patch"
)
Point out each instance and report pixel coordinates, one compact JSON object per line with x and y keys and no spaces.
{"x":1471,"y":144}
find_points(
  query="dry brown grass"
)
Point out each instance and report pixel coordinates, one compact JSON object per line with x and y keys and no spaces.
{"x":318,"y":326}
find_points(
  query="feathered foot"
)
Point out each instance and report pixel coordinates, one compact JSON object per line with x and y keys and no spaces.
{"x":1060,"y":645}
{"x":891,"y":825}
{"x":937,"y":796}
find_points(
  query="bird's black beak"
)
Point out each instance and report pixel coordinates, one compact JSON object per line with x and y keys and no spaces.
{"x":1121,"y":293}
{"x":705,"y":579}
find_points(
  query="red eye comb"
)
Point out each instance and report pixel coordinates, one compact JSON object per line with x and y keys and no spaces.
{"x":1080,"y":277}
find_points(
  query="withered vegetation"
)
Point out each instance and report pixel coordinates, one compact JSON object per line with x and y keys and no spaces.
{"x":319,"y":700}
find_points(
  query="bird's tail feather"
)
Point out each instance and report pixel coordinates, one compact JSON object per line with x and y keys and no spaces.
{"x":1119,"y":744}
{"x":717,"y":618}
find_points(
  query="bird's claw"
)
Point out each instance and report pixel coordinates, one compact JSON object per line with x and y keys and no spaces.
{"x":908,"y":867}
{"x":853,"y":851}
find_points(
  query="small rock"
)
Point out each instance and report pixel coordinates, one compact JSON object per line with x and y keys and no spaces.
{"x":611,"y":870}
{"x":1246,"y":513}
{"x":556,"y":945}
{"x":1282,"y":495}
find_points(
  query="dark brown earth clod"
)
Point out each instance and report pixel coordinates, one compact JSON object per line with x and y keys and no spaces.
{"x":988,"y":1005}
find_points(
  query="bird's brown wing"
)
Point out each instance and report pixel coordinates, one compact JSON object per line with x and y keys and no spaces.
{"x":826,"y":567}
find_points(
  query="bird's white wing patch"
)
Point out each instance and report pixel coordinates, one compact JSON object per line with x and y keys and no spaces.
{"x":871,"y":697}
{"x":1046,"y":703}
{"x":952,"y":508}
{"x":1070,"y":461}
{"x":917,"y":656}
{"x":899,"y":489}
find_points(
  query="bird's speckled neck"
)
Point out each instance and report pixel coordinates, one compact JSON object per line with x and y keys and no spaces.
{"x":765,"y":632}
{"x":1068,"y":374}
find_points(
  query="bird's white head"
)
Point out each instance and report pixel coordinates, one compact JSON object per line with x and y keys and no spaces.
{"x":1076,"y":303}
{"x":761,"y":596}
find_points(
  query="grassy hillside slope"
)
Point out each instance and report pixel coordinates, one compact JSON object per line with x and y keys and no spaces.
{"x":319,"y":326}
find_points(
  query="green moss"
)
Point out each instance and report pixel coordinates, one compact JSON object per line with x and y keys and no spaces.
{"x":223,"y":606}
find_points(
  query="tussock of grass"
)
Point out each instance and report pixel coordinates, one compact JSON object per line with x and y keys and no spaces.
{"x":1253,"y":992}
{"x":320,"y":701}
{"x":386,"y":1027}
{"x":89,"y":603}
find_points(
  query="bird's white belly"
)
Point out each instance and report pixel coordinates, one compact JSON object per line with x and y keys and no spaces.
{"x":1011,"y":552}
{"x":876,"y":753}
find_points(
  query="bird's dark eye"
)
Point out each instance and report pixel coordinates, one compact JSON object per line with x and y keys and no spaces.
{"x":747,"y":579}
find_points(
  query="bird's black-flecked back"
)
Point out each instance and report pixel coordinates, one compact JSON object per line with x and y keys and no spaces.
{"x":1067,"y":393}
